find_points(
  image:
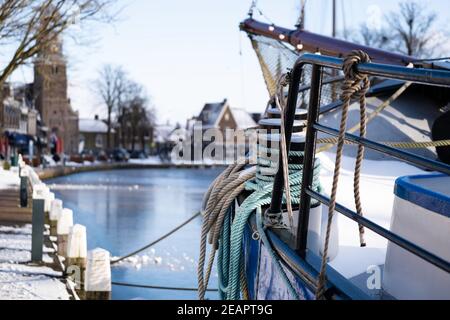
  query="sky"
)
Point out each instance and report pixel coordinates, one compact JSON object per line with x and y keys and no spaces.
{"x":188,"y":53}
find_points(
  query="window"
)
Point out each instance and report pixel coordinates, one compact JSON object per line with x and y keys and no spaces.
{"x":99,"y":141}
{"x":206,"y":116}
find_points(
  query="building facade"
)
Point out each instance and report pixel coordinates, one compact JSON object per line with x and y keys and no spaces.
{"x":222,"y":128}
{"x":18,"y":120}
{"x":51,"y":98}
{"x":93,"y":134}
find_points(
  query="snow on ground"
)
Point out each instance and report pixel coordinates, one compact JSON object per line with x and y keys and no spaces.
{"x":9,"y":178}
{"x":377,"y":197}
{"x":147,"y":161}
{"x":19,"y":280}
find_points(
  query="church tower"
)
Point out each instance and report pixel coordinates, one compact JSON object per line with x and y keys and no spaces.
{"x":52,"y":102}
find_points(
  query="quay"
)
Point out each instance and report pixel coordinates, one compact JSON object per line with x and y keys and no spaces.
{"x":20,"y":278}
{"x":59,"y":171}
{"x":43,"y":255}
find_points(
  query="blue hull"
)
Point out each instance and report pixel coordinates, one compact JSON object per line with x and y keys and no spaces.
{"x":265,"y":282}
{"x":263,"y":279}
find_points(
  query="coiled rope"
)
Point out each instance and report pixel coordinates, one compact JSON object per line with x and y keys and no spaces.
{"x":217,"y":201}
{"x":355,"y":87}
{"x":226,"y":235}
{"x":261,"y":187}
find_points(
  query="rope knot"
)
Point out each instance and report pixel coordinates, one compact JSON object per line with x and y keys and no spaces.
{"x":356,"y":84}
{"x":351,"y":61}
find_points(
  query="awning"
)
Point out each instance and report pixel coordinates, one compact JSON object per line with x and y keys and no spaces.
{"x":18,"y":139}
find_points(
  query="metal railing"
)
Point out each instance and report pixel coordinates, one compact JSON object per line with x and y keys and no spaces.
{"x":319,"y":62}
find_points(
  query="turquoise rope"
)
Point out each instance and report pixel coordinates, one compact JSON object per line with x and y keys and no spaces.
{"x":224,"y":256}
{"x":230,"y":246}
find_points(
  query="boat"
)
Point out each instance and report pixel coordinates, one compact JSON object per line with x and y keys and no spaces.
{"x":363,"y":135}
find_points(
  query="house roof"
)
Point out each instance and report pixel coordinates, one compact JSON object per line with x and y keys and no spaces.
{"x":212,"y":113}
{"x":163,"y":133}
{"x":243,"y":118}
{"x":92,"y":126}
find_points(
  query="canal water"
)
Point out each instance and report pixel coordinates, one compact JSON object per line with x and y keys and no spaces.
{"x":126,"y":209}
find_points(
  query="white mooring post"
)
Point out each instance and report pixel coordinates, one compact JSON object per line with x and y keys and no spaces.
{"x":49,"y":197}
{"x":55,"y":213}
{"x":98,"y":275}
{"x":76,"y":255}
{"x":64,"y":225}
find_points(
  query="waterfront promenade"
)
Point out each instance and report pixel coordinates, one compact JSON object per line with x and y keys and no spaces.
{"x":19,"y":278}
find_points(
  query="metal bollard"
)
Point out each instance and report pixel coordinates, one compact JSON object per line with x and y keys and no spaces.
{"x":23,"y":189}
{"x":38,"y":220}
{"x":37,"y":236}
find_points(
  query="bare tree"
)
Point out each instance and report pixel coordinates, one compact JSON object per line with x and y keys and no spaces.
{"x":409,"y":31}
{"x":28,"y":27}
{"x":127,"y":106}
{"x":370,"y":37}
{"x":110,"y":86}
{"x":138,"y":117}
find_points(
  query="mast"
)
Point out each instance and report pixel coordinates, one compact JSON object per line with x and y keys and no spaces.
{"x":301,"y":19}
{"x":333,"y":33}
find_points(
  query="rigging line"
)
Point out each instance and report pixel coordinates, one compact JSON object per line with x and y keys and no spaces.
{"x":432,"y":59}
{"x":301,"y":18}
{"x":252,"y":8}
{"x":261,"y":13}
{"x":157,"y":240}
{"x":242,"y":70}
{"x":288,"y":48}
{"x":143,"y":286}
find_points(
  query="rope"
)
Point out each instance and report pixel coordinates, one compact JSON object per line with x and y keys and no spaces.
{"x":374,"y":114}
{"x":281,"y":104}
{"x":122,"y":284}
{"x":398,"y":145}
{"x":157,"y":240}
{"x":362,"y":133}
{"x":355,"y":86}
{"x":262,"y":188}
{"x":225,"y":235}
{"x":216,"y":203}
